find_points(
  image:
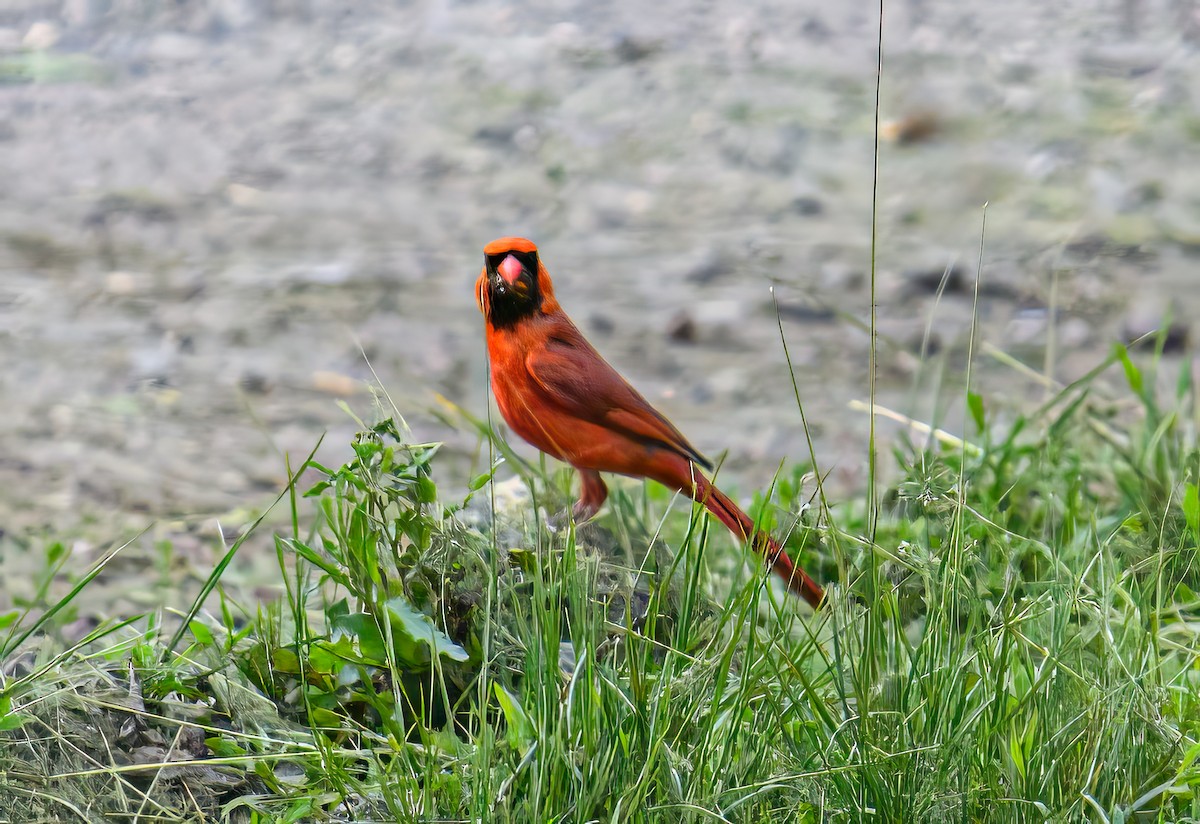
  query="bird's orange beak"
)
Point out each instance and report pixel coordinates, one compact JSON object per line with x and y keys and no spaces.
{"x":510,"y":269}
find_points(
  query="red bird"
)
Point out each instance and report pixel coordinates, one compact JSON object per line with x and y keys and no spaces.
{"x":556,"y":392}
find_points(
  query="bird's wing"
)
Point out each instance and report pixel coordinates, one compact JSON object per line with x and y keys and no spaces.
{"x":580,"y":381}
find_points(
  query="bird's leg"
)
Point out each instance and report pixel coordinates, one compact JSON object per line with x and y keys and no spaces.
{"x":592,"y":494}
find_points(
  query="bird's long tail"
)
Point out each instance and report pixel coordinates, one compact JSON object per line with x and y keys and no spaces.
{"x":740,"y":524}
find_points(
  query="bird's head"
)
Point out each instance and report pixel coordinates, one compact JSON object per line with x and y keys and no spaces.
{"x":513,"y":284}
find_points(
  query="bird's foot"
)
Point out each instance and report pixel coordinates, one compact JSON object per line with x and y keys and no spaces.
{"x":556,"y":522}
{"x":580,"y":514}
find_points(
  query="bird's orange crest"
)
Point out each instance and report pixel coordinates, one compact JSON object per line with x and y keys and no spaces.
{"x":509,"y":244}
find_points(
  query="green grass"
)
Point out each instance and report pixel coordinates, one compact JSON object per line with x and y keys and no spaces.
{"x":1012,"y":634}
{"x":1019,"y":642}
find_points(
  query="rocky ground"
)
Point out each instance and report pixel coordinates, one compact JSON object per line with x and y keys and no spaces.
{"x":210,"y":210}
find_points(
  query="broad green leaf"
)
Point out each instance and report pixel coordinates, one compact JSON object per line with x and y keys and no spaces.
{"x":362,"y":627}
{"x":333,"y":570}
{"x":426,"y":490}
{"x":1184,"y":594}
{"x":55,"y":553}
{"x":519,"y":730}
{"x":285,"y":660}
{"x":224,"y":748}
{"x":975,"y":404}
{"x":13,"y":721}
{"x":1014,"y":750}
{"x":1191,"y":508}
{"x":1183,"y":387}
{"x":480,"y":481}
{"x":1132,"y":374}
{"x":420,"y":629}
{"x":201,"y":633}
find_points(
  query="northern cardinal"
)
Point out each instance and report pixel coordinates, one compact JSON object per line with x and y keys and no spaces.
{"x":556,"y":392}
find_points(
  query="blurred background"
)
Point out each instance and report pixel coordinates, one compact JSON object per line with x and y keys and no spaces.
{"x":206,"y":207}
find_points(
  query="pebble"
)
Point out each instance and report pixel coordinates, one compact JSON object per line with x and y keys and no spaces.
{"x":682,"y":328}
{"x":497,"y":135}
{"x":567,"y":37}
{"x":807,"y":205}
{"x":344,"y":56}
{"x":729,"y":312}
{"x":527,"y":138}
{"x":1108,"y":190}
{"x":1146,"y":317}
{"x":711,"y":266}
{"x":926,"y":345}
{"x":728,"y":382}
{"x":1118,"y":60}
{"x":1026,"y":327}
{"x":335,"y":383}
{"x":175,"y":47}
{"x":916,"y":127}
{"x":566,"y":657}
{"x":244,"y":197}
{"x":631,"y":48}
{"x":775,"y":152}
{"x":638,"y":202}
{"x":230,"y":480}
{"x":805,"y":313}
{"x":513,"y":502}
{"x":841,"y":278}
{"x":238,"y":14}
{"x":1181,"y":225}
{"x":1074,"y":333}
{"x":41,"y":35}
{"x":928,"y":281}
{"x":62,"y":418}
{"x":155,"y":360}
{"x":254,"y":383}
{"x":85,"y":12}
{"x":330,"y":273}
{"x":123,"y":284}
{"x":601,"y":324}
